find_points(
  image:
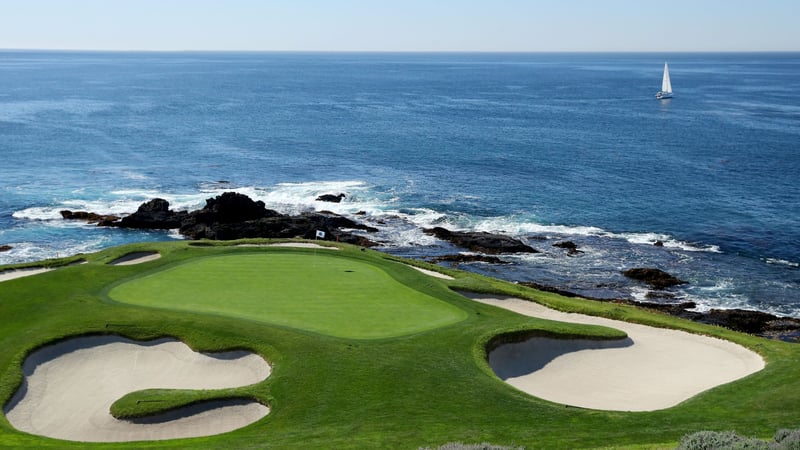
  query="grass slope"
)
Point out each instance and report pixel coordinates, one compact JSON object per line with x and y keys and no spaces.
{"x":405,"y":390}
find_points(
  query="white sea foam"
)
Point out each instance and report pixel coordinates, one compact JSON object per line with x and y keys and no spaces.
{"x":515,"y":226}
{"x":38,"y":213}
{"x":781,"y":262}
{"x":398,"y":226}
{"x":720,"y":295}
{"x":639,"y":294}
{"x":32,"y":251}
{"x":409,"y":237}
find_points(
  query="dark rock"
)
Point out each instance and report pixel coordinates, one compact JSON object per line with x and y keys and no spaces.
{"x":675,"y":309}
{"x":651,"y":295}
{"x":659,"y":244}
{"x":327,"y":219}
{"x":153,"y":215}
{"x":571,"y":247}
{"x":458,"y":259}
{"x":89,"y":217}
{"x":353,"y":239}
{"x":331,"y":198}
{"x":752,"y":322}
{"x":235,"y":216}
{"x":654,"y":277}
{"x":482,"y":241}
{"x":155,"y":205}
{"x":233,"y":207}
{"x":5,"y":248}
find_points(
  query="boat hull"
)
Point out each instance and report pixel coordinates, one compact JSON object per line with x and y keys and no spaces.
{"x":663,"y":95}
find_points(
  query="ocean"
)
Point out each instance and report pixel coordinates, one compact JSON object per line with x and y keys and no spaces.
{"x":543,"y":147}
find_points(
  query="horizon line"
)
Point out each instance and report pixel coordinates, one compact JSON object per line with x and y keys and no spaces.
{"x":99,"y":50}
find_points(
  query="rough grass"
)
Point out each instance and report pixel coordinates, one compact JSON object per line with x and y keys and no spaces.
{"x":413,"y":390}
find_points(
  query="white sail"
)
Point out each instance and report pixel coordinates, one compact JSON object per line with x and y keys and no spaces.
{"x":666,"y":85}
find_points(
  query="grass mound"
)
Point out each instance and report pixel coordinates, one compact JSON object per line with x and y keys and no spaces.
{"x":150,"y":402}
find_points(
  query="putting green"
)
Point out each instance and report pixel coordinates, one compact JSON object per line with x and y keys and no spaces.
{"x":325,"y":294}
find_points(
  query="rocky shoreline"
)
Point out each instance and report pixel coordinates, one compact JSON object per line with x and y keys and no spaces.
{"x":232,"y":216}
{"x":235,"y":216}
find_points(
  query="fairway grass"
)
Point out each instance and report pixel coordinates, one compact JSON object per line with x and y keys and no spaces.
{"x":320,"y":293}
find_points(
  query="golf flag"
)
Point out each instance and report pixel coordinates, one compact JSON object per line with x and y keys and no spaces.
{"x":320,"y":234}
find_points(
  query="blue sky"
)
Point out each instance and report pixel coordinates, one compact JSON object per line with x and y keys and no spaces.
{"x":402,"y":25}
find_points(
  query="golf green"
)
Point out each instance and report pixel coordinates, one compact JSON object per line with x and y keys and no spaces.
{"x":325,"y":294}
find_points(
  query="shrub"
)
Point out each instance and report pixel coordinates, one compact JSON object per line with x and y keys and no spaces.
{"x":712,"y":440}
{"x":725,"y":440}
{"x":787,"y":440}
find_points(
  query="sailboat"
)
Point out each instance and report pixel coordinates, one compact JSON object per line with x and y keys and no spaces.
{"x":666,"y":85}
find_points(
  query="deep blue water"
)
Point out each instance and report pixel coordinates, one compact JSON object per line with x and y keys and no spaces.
{"x":545,"y":147}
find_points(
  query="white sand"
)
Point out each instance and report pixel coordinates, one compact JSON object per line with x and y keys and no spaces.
{"x":70,"y":386}
{"x":433,"y":273}
{"x":135,"y":258}
{"x":653,"y":369}
{"x":19,"y":273}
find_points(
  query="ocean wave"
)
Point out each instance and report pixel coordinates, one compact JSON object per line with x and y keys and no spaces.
{"x":513,"y":225}
{"x":33,"y":251}
{"x":372,"y":205}
{"x":781,"y":262}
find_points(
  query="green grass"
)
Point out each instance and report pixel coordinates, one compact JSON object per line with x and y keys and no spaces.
{"x":410,"y":388}
{"x":153,"y":401}
{"x":316,"y":292}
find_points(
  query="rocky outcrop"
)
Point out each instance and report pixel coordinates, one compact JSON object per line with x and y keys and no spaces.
{"x":275,"y":225}
{"x":153,"y":215}
{"x":331,"y":198}
{"x":90,"y":217}
{"x":458,"y":259}
{"x":5,"y":248}
{"x":569,"y":246}
{"x":654,"y":277}
{"x":229,"y":216}
{"x":235,"y":216}
{"x":753,"y":322}
{"x":481,"y":241}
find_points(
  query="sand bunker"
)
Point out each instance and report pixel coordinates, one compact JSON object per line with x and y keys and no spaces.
{"x":135,"y":258}
{"x":19,"y":273}
{"x":652,"y":369}
{"x":433,"y":273}
{"x":70,"y":386}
